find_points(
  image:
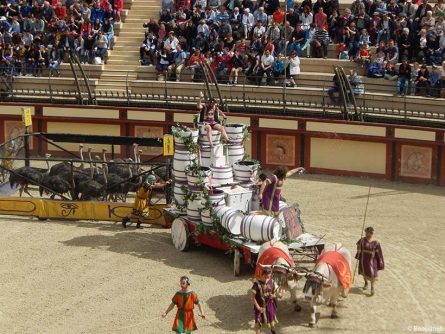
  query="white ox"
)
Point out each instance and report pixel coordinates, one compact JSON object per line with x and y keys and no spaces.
{"x":284,"y":275}
{"x":323,"y":286}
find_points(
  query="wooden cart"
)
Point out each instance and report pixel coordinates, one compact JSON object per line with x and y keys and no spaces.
{"x":184,"y":232}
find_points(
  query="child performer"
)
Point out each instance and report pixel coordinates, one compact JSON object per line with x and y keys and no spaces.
{"x":185,"y":300}
{"x":265,"y":302}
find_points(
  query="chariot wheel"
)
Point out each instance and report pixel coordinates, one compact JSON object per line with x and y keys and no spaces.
{"x":236,"y":262}
{"x":180,"y":234}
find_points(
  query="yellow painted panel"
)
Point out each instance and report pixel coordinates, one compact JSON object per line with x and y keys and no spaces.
{"x":81,"y":112}
{"x":183,"y":118}
{"x":238,"y":119}
{"x":14,"y":110}
{"x":77,"y":210}
{"x":85,"y":129}
{"x":146,"y":115}
{"x":415,"y":134}
{"x":348,"y":155}
{"x":278,"y":124}
{"x":346,"y":128}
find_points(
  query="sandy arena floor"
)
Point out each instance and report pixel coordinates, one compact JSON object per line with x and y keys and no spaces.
{"x":90,"y":277}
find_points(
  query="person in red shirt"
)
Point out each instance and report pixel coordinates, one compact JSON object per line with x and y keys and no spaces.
{"x":242,"y":47}
{"x":60,"y":11}
{"x":194,"y":61}
{"x":278,"y":16}
{"x":118,"y":6}
{"x":321,"y":19}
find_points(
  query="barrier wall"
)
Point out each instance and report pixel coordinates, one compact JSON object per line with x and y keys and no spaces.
{"x":383,"y":151}
{"x":75,"y":210}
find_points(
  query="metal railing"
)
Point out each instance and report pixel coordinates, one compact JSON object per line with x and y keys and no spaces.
{"x":309,"y":98}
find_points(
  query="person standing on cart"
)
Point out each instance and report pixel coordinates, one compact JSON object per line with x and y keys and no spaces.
{"x":270,"y":191}
{"x":265,"y":302}
{"x":141,"y":204}
{"x":370,"y":257}
{"x":185,"y":300}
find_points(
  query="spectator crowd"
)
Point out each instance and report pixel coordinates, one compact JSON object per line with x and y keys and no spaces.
{"x":265,"y":40}
{"x":40,"y":34}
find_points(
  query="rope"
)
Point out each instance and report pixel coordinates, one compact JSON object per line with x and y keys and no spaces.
{"x":363,"y":226}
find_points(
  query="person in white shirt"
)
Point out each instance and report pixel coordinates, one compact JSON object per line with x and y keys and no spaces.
{"x":202,"y":27}
{"x":294,"y":68}
{"x":209,"y":14}
{"x":265,"y":67}
{"x":309,"y":40}
{"x":247,"y":21}
{"x":259,"y":29}
{"x":202,"y":3}
{"x":171,"y":41}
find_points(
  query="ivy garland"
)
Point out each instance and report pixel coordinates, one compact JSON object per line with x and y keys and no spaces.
{"x":246,"y":133}
{"x":216,"y":229}
{"x":178,"y":132}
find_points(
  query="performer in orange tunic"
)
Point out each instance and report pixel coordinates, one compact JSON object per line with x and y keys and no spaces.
{"x":185,"y":300}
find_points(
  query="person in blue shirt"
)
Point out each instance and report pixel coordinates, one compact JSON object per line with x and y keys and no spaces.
{"x":97,"y":13}
{"x":278,"y":67}
{"x":178,"y":63}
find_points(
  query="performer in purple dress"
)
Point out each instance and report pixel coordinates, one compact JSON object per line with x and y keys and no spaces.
{"x":370,"y":257}
{"x":270,"y":191}
{"x":265,"y":302}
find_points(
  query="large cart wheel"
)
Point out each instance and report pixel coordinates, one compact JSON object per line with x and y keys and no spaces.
{"x":236,"y":262}
{"x":180,"y":234}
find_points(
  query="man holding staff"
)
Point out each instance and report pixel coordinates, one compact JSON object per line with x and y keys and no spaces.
{"x":370,"y":257}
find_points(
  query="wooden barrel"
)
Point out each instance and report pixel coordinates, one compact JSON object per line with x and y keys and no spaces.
{"x":217,"y":197}
{"x":243,"y":170}
{"x":260,"y":228}
{"x":179,"y":193}
{"x":203,"y":140}
{"x":235,"y":132}
{"x":180,"y":135}
{"x":194,"y":180}
{"x":194,"y":206}
{"x":222,"y":175}
{"x":206,"y":217}
{"x":236,"y":153}
{"x":181,"y":160}
{"x":230,"y":219}
{"x":209,"y":154}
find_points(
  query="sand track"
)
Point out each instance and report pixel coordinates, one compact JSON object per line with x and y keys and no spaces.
{"x":92,"y":277}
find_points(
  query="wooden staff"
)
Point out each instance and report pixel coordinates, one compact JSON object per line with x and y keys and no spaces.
{"x":363,"y":227}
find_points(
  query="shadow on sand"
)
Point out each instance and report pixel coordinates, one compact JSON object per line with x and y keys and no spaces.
{"x":157,"y":246}
{"x":230,"y":318}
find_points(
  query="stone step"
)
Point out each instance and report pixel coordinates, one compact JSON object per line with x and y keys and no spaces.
{"x":134,"y":62}
{"x":128,"y":4}
{"x":144,"y":14}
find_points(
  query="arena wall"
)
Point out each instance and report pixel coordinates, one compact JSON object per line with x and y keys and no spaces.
{"x":385,"y":151}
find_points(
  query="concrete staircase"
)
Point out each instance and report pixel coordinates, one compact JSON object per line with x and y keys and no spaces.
{"x":123,"y":59}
